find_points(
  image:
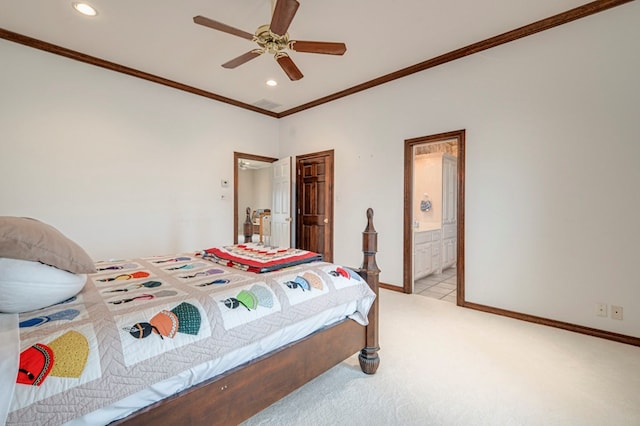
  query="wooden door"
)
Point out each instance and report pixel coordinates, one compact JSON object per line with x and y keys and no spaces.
{"x":314,"y":203}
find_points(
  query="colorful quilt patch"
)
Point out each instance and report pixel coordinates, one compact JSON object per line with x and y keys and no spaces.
{"x":303,"y":286}
{"x":156,"y":330}
{"x":57,"y":363}
{"x":63,"y":313}
{"x":245,"y":304}
{"x":344,"y":277}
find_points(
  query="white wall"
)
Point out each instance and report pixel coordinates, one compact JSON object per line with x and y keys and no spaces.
{"x":552,"y":167}
{"x":551,"y":172}
{"x":262,"y":188}
{"x":427,"y":179}
{"x":122,"y":166}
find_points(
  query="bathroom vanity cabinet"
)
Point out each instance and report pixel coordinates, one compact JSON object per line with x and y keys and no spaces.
{"x":427,"y":259}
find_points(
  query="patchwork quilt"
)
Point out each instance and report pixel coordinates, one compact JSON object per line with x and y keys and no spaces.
{"x":138,"y":322}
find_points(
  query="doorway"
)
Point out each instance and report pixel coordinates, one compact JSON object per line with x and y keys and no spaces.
{"x":434,"y":215}
{"x":244,"y":167}
{"x":314,"y":203}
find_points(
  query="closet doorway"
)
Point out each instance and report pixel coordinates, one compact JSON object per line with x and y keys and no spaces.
{"x":434,"y":210}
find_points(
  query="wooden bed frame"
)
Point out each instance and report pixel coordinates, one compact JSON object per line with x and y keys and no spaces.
{"x":238,"y":394}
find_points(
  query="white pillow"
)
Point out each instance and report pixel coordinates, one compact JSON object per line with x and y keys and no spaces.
{"x":26,"y":285}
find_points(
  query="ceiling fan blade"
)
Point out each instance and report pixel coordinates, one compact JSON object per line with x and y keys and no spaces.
{"x":236,"y":62}
{"x":201,"y":20}
{"x":289,"y":67}
{"x":325,"y":47}
{"x":283,"y":14}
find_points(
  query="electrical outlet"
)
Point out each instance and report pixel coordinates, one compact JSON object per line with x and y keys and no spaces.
{"x":601,"y":309}
{"x":616,"y":312}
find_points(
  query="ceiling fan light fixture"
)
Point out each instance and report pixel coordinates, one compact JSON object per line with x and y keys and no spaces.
{"x":84,"y":8}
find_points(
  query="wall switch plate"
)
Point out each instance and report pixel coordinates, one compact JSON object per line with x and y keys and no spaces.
{"x":601,"y":309}
{"x":616,"y":312}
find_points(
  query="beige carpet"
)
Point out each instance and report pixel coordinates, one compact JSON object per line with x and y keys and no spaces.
{"x":445,"y":365}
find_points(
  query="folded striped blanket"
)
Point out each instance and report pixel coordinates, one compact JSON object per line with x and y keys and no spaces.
{"x":259,"y":258}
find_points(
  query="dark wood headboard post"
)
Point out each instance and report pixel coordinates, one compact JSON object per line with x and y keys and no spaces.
{"x":369,"y":359}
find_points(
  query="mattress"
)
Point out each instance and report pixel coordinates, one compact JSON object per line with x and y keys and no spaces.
{"x":146,"y":328}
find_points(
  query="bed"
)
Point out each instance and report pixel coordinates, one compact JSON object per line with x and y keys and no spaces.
{"x":206,"y":337}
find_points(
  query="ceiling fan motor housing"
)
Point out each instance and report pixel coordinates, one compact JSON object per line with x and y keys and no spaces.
{"x":270,"y":42}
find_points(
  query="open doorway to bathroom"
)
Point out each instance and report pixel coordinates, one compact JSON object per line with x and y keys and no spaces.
{"x":434,"y":216}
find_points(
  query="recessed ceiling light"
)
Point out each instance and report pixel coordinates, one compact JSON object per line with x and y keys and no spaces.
{"x":272,"y":83}
{"x":85,"y":9}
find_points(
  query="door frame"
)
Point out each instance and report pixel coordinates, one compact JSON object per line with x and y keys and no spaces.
{"x":242,"y":156}
{"x":459,"y":136}
{"x":298,"y":214}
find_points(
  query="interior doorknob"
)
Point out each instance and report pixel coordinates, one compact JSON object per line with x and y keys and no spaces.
{"x":326,"y":220}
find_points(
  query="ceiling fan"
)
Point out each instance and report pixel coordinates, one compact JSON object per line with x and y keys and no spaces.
{"x":273,"y":38}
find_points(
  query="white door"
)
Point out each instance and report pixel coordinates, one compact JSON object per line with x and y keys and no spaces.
{"x":281,"y":203}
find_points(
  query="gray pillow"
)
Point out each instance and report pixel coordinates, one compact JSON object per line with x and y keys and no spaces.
{"x":29,"y":239}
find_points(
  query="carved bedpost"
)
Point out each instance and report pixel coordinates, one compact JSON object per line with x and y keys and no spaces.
{"x":369,"y":359}
{"x":248,"y":227}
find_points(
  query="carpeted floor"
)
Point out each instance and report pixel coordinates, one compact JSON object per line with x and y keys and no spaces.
{"x":445,"y":365}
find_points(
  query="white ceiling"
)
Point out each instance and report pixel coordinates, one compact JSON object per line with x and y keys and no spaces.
{"x":160,"y":38}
